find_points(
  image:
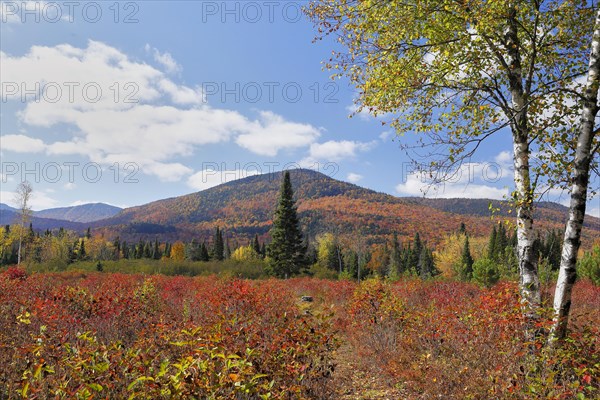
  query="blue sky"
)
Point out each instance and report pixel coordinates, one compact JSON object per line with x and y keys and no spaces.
{"x":130,"y":102}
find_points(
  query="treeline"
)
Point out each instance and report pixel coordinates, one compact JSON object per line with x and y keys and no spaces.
{"x":61,"y":247}
{"x":333,"y":255}
{"x":484,"y":260}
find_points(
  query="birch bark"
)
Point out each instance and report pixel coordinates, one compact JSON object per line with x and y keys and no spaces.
{"x":579,"y":188}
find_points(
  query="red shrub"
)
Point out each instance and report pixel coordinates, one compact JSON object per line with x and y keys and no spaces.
{"x":15,"y":272}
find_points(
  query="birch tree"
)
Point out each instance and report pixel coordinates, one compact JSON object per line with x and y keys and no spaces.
{"x":457,"y":72}
{"x":22,"y":198}
{"x":587,"y":146}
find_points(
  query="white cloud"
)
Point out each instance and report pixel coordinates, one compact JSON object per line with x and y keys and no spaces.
{"x":140,"y":116}
{"x":271,"y":134}
{"x":69,"y":186}
{"x":182,"y":94}
{"x":504,"y":158}
{"x":594,"y":212}
{"x":384,"y":136}
{"x":165,"y":59}
{"x":556,"y":195}
{"x":415,"y":186}
{"x":168,"y":172}
{"x":209,"y":178}
{"x":471,"y":180}
{"x":39,"y":200}
{"x":363,"y":114}
{"x":353,"y":178}
{"x":21,"y":144}
{"x":338,"y":150}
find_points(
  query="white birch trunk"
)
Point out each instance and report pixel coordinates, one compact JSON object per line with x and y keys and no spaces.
{"x":580,"y":180}
{"x":529,"y":284}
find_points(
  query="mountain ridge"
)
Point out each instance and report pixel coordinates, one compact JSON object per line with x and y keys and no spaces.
{"x":88,"y":212}
{"x":244,"y":208}
{"x":72,"y":217}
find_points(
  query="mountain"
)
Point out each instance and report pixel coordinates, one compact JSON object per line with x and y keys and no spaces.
{"x":82,"y":213}
{"x":76,"y":218}
{"x":6,"y":207}
{"x":8,"y":217}
{"x":545,"y":211}
{"x":245,"y":207}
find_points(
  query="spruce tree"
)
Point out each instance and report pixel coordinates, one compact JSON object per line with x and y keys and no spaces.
{"x":427,"y":267}
{"x":218,"y":249}
{"x":395,"y":269}
{"x":227,"y":250}
{"x":500,"y":243}
{"x":466,"y":268}
{"x":147,"y":250}
{"x":352,"y":264}
{"x":415,"y":255}
{"x":553,"y":249}
{"x":156,"y":250}
{"x":492,"y":250}
{"x":263,"y":250}
{"x":287,"y":252}
{"x":256,"y":245}
{"x":139,"y":250}
{"x":125,"y":248}
{"x":81,"y":253}
{"x":204,"y":252}
{"x":117,"y":247}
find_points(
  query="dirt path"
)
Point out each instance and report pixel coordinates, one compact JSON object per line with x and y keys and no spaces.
{"x":354,"y":378}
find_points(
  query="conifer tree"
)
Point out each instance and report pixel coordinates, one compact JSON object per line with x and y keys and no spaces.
{"x":147,"y":250}
{"x":263,"y":250}
{"x":351,"y":263}
{"x":553,"y":247}
{"x":139,"y":250}
{"x":227,"y":250}
{"x":395,"y":269}
{"x":117,"y":247}
{"x":255,"y":244}
{"x":427,"y":267}
{"x":218,"y":245}
{"x":125,"y":248}
{"x":287,"y":251}
{"x":81,"y":252}
{"x":501,"y":240}
{"x":492,"y":251}
{"x":204,"y":252}
{"x":415,"y":255}
{"x":156,"y":251}
{"x":466,"y":270}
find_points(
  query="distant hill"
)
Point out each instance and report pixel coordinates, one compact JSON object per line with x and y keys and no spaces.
{"x":76,"y":218}
{"x":245,"y":208}
{"x":8,"y":217}
{"x":545,"y":211}
{"x":6,"y":207}
{"x":83,"y":213}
